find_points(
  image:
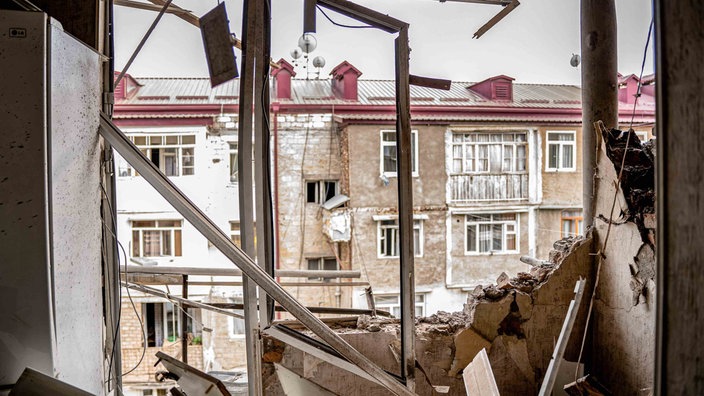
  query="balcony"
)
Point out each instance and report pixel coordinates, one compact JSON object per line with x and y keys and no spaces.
{"x":466,"y":189}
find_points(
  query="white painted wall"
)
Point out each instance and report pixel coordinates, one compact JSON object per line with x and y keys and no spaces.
{"x":209,"y":188}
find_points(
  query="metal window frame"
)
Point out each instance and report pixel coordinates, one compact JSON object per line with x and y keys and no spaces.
{"x":220,"y":240}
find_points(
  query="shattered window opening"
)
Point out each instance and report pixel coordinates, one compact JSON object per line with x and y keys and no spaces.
{"x":561,"y":148}
{"x":491,"y":233}
{"x":389,"y":155}
{"x":162,"y":321}
{"x":482,"y":152}
{"x":156,"y":238}
{"x":322,"y":263}
{"x":173,"y":154}
{"x":388,"y":238}
{"x":320,"y":191}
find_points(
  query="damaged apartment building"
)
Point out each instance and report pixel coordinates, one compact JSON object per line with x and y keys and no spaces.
{"x":407,"y":236}
{"x":496,"y":172}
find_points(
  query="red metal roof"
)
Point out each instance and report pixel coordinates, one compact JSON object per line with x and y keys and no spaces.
{"x":159,"y":98}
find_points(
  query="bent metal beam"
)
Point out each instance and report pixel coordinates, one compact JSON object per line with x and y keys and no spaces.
{"x":222,"y":242}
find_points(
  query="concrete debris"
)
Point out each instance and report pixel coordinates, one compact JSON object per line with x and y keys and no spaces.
{"x":516,"y":321}
{"x":642,"y":273}
{"x":638,"y":180}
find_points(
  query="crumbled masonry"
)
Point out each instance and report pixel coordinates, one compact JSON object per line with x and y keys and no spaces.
{"x":516,"y":320}
{"x":638,"y":180}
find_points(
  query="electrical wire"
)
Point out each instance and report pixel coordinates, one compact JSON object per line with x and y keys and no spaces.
{"x":134,"y":308}
{"x":342,"y":24}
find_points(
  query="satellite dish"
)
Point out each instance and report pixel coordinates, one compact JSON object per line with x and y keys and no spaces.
{"x":296,"y":53}
{"x":575,"y":60}
{"x":318,"y":61}
{"x":307,"y":43}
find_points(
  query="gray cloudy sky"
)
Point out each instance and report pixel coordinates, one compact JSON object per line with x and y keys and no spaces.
{"x":534,"y":43}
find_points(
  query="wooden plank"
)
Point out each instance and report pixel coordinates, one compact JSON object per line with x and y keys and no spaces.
{"x":554,"y":366}
{"x":366,"y":15}
{"x":429,"y":82}
{"x":405,"y":208}
{"x":479,"y":378}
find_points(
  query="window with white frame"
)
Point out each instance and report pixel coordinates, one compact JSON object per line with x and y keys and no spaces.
{"x":322,"y":263}
{"x":156,"y":238}
{"x":173,"y":154}
{"x":571,"y":223}
{"x":388,"y":238}
{"x":235,"y":326}
{"x":162,"y":322}
{"x":392,"y":304}
{"x":389,"y":158}
{"x":489,"y":152}
{"x":234,"y":167}
{"x":319,"y":191}
{"x":562,"y":149}
{"x":491,"y":233}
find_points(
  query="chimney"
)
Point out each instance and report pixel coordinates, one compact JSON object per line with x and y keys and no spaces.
{"x":282,"y":79}
{"x":344,"y":81}
{"x":127,"y":87}
{"x":495,"y":88}
{"x":627,"y":89}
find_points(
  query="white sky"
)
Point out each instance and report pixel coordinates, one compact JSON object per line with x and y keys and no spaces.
{"x":533,"y":43}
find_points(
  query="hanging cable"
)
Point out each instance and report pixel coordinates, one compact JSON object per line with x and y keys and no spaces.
{"x":342,"y":24}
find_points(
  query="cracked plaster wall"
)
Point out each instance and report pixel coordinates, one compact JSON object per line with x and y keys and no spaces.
{"x":623,"y":331}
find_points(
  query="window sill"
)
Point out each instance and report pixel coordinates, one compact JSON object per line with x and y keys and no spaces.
{"x":493,"y":253}
{"x":393,"y":175}
{"x":560,"y":170}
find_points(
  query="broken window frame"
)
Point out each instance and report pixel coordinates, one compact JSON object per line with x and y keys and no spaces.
{"x":320,"y":264}
{"x":175,"y":237}
{"x":388,"y":229}
{"x":386,"y":302}
{"x":184,"y":153}
{"x":478,"y":220}
{"x":471,"y":154}
{"x":572,"y":220}
{"x":321,"y":193}
{"x":561,"y":146}
{"x":385,"y":143}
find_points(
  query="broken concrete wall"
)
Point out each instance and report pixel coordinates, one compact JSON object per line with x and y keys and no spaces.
{"x":518,"y":321}
{"x":624,"y":310}
{"x":522,"y":317}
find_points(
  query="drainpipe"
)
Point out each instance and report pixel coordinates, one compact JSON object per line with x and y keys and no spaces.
{"x":599,"y":87}
{"x":275,"y":110}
